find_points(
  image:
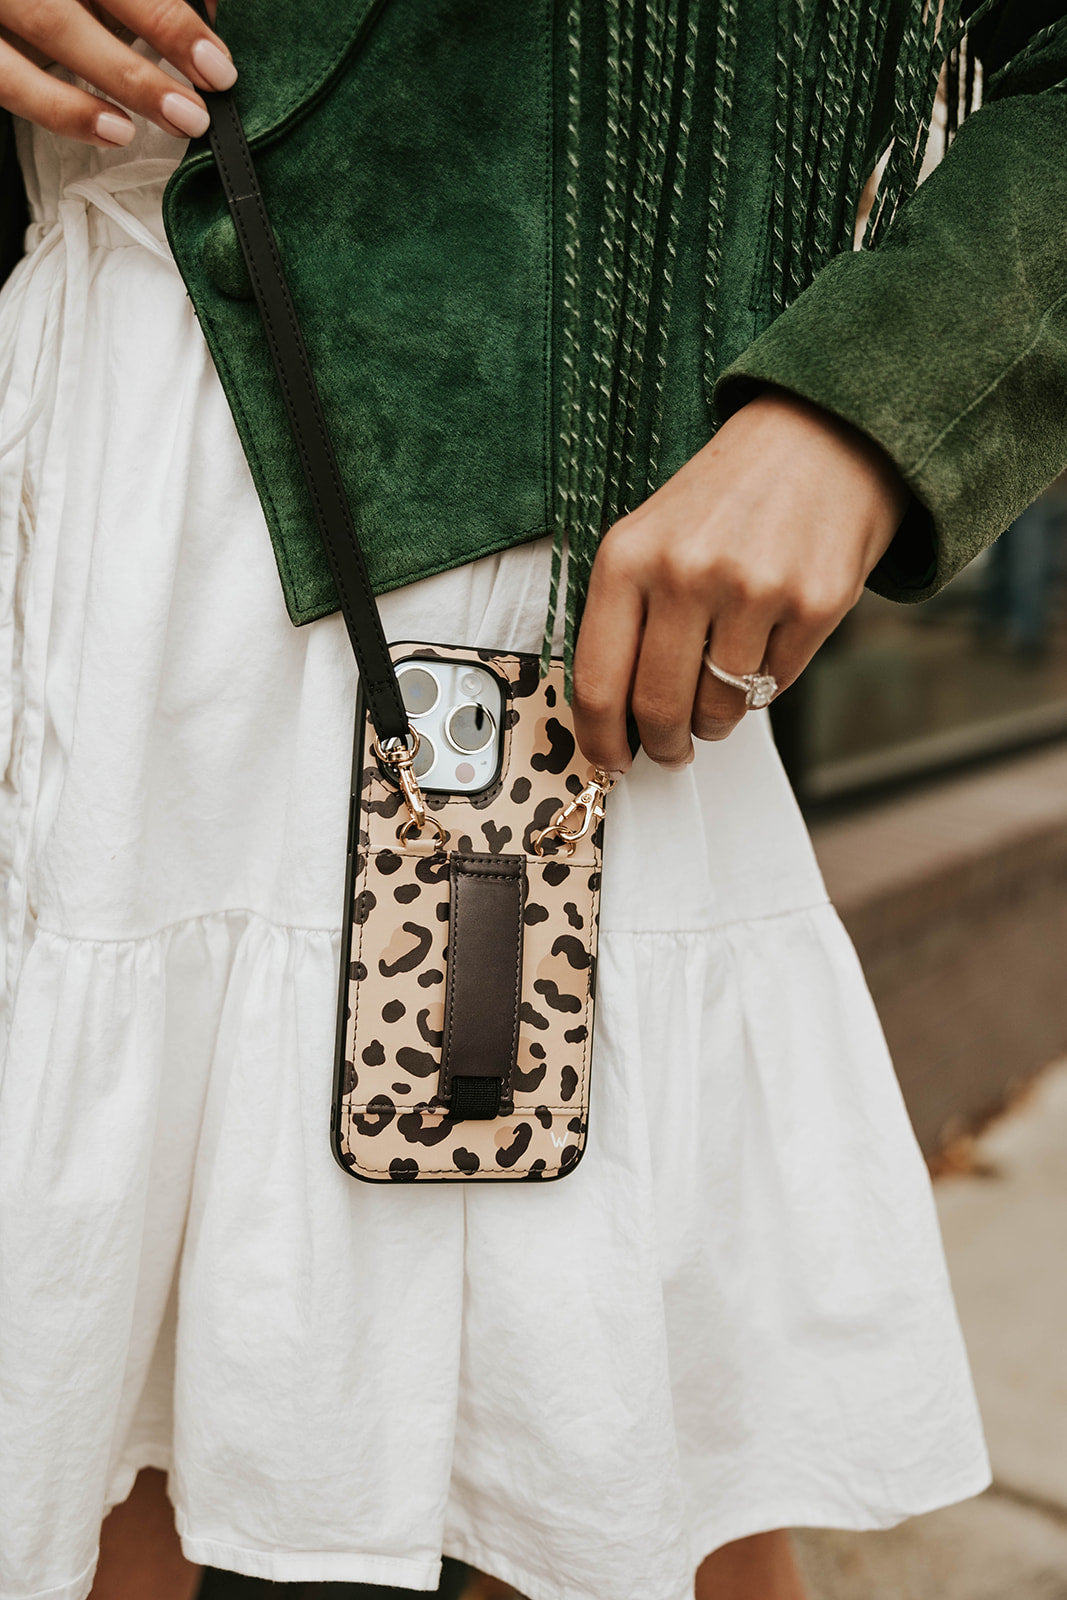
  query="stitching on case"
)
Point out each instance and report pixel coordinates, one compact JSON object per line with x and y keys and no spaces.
{"x":587,"y":1042}
{"x":509,"y":1080}
{"x":424,"y":1105}
{"x":581,"y":1108}
{"x":557,"y":1111}
{"x":453,"y":1171}
{"x":451,"y":989}
{"x":356,"y":983}
{"x":461,"y":863}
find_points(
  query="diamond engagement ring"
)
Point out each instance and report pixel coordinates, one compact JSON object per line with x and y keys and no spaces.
{"x":760,"y":687}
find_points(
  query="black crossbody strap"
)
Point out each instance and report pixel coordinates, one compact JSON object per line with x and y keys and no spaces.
{"x":303,"y":407}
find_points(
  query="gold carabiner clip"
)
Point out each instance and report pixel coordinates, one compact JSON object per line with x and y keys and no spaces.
{"x":588,"y":805}
{"x":399,"y":757}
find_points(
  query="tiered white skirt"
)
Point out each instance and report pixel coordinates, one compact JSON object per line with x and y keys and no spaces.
{"x":733,"y":1316}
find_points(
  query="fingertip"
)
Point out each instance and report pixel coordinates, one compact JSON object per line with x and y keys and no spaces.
{"x":188,"y":117}
{"x":679,"y":766}
{"x":213,"y":64}
{"x":612,"y":766}
{"x":114,"y":128}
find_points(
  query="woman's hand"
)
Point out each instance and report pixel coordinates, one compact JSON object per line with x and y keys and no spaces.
{"x":763,"y":540}
{"x":36,"y":33}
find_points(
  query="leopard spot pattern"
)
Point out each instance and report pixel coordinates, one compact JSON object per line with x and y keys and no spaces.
{"x":393,"y":1126}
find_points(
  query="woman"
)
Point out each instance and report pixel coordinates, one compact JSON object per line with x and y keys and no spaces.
{"x":531,"y":252}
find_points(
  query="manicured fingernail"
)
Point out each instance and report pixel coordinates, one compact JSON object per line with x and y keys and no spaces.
{"x":115,"y":129}
{"x":185,"y":114}
{"x":213,"y":64}
{"x":609,"y":772}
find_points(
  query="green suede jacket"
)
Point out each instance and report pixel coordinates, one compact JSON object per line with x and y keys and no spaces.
{"x":411,"y":155}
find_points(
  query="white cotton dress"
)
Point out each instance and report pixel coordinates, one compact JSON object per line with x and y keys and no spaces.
{"x":734,"y":1316}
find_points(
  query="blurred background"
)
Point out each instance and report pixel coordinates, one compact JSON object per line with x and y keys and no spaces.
{"x":905,"y":692}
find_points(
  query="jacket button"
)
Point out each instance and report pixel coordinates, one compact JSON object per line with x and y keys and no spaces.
{"x":223,"y":261}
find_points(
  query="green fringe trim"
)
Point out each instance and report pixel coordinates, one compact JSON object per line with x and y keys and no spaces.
{"x":614,"y":372}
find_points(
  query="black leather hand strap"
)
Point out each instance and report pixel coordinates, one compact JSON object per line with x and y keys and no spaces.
{"x":303,"y":407}
{"x":481,"y":1028}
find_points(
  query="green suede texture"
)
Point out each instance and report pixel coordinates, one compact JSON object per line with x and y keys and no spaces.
{"x":439,"y":367}
{"x":412,"y":207}
{"x":948,"y":344}
{"x":411,"y":156}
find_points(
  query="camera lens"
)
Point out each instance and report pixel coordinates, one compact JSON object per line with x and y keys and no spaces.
{"x":424,"y":759}
{"x":419,"y":690}
{"x":470,"y":727}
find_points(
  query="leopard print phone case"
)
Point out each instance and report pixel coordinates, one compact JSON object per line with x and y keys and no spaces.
{"x":513,"y":996}
{"x":465,"y":1004}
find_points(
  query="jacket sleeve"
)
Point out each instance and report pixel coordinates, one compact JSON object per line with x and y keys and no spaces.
{"x":947,"y":344}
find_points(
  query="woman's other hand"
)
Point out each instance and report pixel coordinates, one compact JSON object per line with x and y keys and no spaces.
{"x":762,"y":541}
{"x":36,"y":33}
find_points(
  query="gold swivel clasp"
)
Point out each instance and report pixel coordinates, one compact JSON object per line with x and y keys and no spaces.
{"x":577,"y":819}
{"x":399,"y":757}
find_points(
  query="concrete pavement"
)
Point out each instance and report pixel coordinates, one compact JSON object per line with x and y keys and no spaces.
{"x":1005,"y":1230}
{"x":955,"y":896}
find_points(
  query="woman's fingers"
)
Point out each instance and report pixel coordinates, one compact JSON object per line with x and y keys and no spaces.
{"x":796,"y":639}
{"x":180,"y":36}
{"x":38,"y":97}
{"x":747,"y":639}
{"x":739,"y":643}
{"x":665,"y":683}
{"x":658,"y":667}
{"x":604,"y":660}
{"x":763,"y":540}
{"x":65,"y":32}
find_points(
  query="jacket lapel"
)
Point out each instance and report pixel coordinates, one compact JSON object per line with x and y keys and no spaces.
{"x":287,"y":51}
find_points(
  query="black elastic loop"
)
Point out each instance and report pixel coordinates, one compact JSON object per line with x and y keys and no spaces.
{"x":303,"y":407}
{"x":475,"y":1099}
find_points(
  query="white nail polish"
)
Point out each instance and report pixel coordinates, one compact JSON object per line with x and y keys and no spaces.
{"x":115,"y":129}
{"x":185,"y":114}
{"x":213,"y":65}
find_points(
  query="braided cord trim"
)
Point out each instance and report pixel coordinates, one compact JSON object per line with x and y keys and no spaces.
{"x":726,"y":31}
{"x":674,"y":218}
{"x":614,"y":359}
{"x":570,"y":417}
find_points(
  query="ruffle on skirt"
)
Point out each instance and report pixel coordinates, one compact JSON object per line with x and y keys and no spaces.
{"x":731,"y":1317}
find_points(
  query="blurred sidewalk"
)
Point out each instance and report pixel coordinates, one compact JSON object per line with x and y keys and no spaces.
{"x":955,"y":896}
{"x":1005,"y":1228}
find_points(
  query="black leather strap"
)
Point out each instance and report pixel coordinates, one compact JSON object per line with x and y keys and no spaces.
{"x":303,"y":407}
{"x":481,"y":1029}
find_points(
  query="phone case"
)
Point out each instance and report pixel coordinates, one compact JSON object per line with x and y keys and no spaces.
{"x":518,"y":985}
